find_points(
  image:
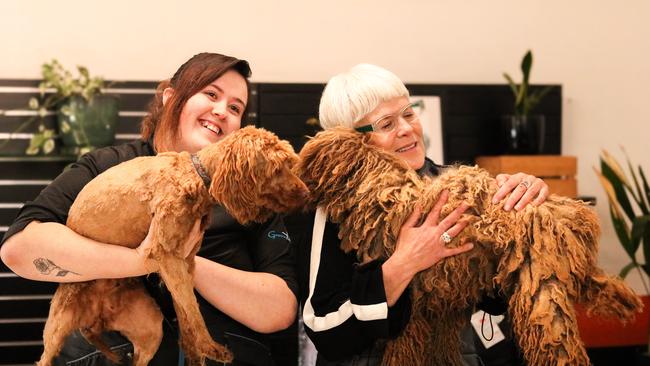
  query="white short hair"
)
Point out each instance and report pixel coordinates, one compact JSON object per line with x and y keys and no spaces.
{"x":350,"y":96}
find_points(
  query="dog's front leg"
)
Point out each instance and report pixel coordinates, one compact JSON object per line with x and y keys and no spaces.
{"x":176,"y":271}
{"x":195,"y":339}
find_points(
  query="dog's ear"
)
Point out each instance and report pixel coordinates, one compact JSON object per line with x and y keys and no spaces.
{"x":253,"y":179}
{"x":232,"y":169}
{"x":346,"y":174}
{"x":327,"y":150}
{"x":278,"y":188}
{"x":328,"y":160}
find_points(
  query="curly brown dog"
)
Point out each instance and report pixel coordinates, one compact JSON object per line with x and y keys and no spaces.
{"x":541,"y":259}
{"x":252,"y":179}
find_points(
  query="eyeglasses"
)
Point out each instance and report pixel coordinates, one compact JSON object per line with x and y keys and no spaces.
{"x":386,"y":124}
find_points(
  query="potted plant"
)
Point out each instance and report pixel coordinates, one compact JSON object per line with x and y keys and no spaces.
{"x":86,"y":118}
{"x":523,"y":132}
{"x":629,"y":207}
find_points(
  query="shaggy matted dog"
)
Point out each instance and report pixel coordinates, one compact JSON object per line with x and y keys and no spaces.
{"x":541,"y":259}
{"x":252,"y":179}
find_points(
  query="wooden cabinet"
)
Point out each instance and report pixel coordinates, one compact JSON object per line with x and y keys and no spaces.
{"x":558,"y":171}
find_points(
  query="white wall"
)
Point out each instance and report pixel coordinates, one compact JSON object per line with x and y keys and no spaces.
{"x":598,"y":50}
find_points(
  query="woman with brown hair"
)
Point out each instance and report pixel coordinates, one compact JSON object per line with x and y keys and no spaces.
{"x":244,"y":276}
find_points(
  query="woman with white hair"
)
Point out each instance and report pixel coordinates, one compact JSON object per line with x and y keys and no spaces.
{"x":353,"y":308}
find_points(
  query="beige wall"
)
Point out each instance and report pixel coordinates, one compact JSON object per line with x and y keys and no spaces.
{"x":598,"y":50}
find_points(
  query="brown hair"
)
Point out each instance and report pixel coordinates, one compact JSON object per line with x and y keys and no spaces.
{"x":162,"y":122}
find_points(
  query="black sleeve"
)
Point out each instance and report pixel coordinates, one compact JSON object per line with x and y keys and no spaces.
{"x":53,"y":203}
{"x":347,"y":310}
{"x":271,"y":252}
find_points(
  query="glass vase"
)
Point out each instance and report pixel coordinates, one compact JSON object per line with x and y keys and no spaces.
{"x":523,"y":135}
{"x":87,"y":125}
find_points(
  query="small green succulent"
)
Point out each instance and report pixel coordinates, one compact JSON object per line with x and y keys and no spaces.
{"x":65,"y":86}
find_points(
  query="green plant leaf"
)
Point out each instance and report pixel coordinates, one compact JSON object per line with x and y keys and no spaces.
{"x":83,"y":72}
{"x":537,"y":96}
{"x":42,"y":86}
{"x":64,"y":126}
{"x":48,"y":133}
{"x":526,"y":65}
{"x":520,"y":102}
{"x":33,"y":103}
{"x":646,"y":188}
{"x":511,"y":83}
{"x":524,"y":101}
{"x":48,"y":146}
{"x":32,"y":150}
{"x":626,"y":270}
{"x":65,"y":110}
{"x":623,"y":233}
{"x":646,"y":269}
{"x":35,"y":144}
{"x":639,"y":199}
{"x":616,"y":167}
{"x":646,"y":249}
{"x":67,"y":85}
{"x":84,"y":150}
{"x":640,"y":226}
{"x":619,"y":189}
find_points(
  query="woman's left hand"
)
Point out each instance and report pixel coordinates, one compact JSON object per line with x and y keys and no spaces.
{"x":523,"y":188}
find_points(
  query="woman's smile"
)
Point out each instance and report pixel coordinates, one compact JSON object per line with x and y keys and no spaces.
{"x":407,"y":148}
{"x":211,"y":126}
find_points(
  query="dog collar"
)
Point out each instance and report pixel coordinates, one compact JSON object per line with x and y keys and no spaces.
{"x":201,"y":170}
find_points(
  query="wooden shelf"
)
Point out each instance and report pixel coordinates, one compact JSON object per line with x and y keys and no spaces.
{"x":557,"y":171}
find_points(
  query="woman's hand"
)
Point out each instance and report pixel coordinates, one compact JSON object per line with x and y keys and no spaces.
{"x":145,"y":247}
{"x":523,"y":188}
{"x":420,"y":247}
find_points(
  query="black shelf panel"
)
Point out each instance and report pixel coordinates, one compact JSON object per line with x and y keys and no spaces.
{"x":23,"y":331}
{"x":21,"y":309}
{"x":17,"y":286}
{"x":27,"y":354}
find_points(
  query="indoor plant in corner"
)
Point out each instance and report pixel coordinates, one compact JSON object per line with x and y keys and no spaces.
{"x":523,"y":132}
{"x":86,"y":118}
{"x":629,"y":207}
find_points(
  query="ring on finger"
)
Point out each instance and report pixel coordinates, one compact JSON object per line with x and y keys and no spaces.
{"x":445,"y":237}
{"x":525,"y":184}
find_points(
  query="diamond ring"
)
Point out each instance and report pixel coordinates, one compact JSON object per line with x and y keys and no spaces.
{"x":445,"y":237}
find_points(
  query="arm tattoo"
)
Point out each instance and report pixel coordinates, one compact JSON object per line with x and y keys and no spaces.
{"x":46,"y":266}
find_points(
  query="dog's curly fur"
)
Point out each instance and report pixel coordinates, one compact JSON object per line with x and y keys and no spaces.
{"x":541,"y":259}
{"x":252,"y":179}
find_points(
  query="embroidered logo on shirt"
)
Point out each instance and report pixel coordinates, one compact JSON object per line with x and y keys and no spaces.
{"x":279,"y":235}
